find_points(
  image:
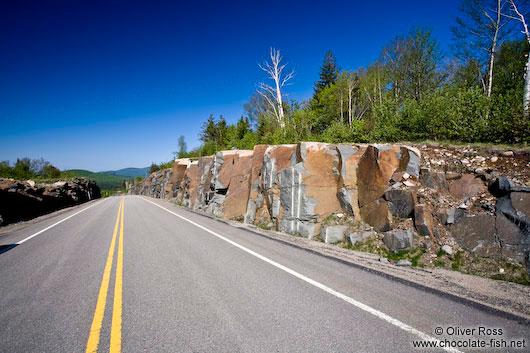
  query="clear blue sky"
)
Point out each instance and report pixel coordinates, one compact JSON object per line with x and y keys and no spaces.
{"x":105,"y":85}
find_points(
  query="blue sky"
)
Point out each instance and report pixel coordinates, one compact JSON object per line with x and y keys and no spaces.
{"x":105,"y":85}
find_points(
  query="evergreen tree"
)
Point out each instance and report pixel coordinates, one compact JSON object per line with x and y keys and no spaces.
{"x":208,"y":131}
{"x":329,"y":72}
{"x":183,"y":148}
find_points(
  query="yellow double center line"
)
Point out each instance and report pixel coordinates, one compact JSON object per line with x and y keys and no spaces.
{"x":115,"y":333}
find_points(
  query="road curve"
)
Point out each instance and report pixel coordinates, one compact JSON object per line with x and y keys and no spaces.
{"x":151,"y":277}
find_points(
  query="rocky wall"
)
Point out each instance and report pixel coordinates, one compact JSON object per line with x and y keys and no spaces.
{"x":23,"y":200}
{"x":406,"y":195}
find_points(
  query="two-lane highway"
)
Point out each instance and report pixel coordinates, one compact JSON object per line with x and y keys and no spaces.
{"x":136,"y":274}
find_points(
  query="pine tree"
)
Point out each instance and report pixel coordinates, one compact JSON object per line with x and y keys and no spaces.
{"x":329,"y":72}
{"x":209,"y":130}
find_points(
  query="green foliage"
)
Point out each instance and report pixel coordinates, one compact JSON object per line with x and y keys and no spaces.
{"x":36,"y":169}
{"x":104,"y":181}
{"x":457,"y":261}
{"x":167,"y":165}
{"x":182,"y":148}
{"x":329,"y":72}
{"x":154,"y":168}
{"x":339,"y":132}
{"x":409,"y":94}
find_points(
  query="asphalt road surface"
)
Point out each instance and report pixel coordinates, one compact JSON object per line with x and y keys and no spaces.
{"x":158,"y":278}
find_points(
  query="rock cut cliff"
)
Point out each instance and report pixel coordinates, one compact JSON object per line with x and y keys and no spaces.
{"x":404,"y":196}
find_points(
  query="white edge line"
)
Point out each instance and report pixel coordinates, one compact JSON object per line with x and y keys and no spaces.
{"x":325,"y":288}
{"x":61,"y":221}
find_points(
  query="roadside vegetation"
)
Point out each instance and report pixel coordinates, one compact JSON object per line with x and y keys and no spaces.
{"x":472,"y":92}
{"x":42,"y":171}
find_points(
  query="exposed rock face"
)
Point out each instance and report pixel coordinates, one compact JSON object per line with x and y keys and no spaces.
{"x":295,"y":188}
{"x":23,"y":200}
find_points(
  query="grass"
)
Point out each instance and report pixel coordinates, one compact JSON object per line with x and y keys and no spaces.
{"x":263,"y":226}
{"x":439,"y":263}
{"x":457,"y":259}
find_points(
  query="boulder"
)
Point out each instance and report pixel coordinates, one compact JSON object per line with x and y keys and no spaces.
{"x":400,"y":202}
{"x":477,"y":234}
{"x":423,"y":219}
{"x":434,"y":180}
{"x":466,"y":187}
{"x":521,"y":202}
{"x":398,"y":239}
{"x":359,"y":236}
{"x":448,"y":250}
{"x":376,"y":214}
{"x":403,"y":263}
{"x":332,"y":234}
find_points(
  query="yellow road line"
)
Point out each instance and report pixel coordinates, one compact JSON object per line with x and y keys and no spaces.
{"x":115,"y":333}
{"x":95,"y":329}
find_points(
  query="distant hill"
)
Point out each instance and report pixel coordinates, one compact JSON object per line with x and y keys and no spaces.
{"x":104,"y":181}
{"x":128,"y":173}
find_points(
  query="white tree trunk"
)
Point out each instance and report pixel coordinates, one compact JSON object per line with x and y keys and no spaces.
{"x":350,"y":112}
{"x":526,"y":94}
{"x":273,"y":95}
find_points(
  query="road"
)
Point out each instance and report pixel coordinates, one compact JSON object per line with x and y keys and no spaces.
{"x":158,"y":278}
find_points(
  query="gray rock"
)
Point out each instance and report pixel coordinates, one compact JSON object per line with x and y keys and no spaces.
{"x":355,"y":237}
{"x":344,"y":196}
{"x":400,"y":202}
{"x":384,"y":260}
{"x":275,"y":207}
{"x":450,"y":216}
{"x":333,"y":234}
{"x":250,"y":214}
{"x":413,"y":166}
{"x":448,"y":250}
{"x":404,"y":263}
{"x":398,"y":239}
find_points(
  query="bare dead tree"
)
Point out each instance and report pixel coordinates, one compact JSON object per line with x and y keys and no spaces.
{"x":516,"y":13}
{"x":273,"y":94}
{"x":352,"y":84}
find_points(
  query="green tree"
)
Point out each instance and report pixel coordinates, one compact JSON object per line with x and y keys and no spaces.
{"x":183,"y":148}
{"x":510,"y":67}
{"x":49,"y":171}
{"x":154,"y":168}
{"x":329,"y":72}
{"x":413,"y":63}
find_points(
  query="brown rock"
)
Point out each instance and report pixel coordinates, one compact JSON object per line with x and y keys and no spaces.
{"x":466,"y":187}
{"x":239,"y":186}
{"x":388,"y":161}
{"x":423,"y":219}
{"x":370,"y":180}
{"x":321,"y":163}
{"x":376,"y":215}
{"x":191,"y":181}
